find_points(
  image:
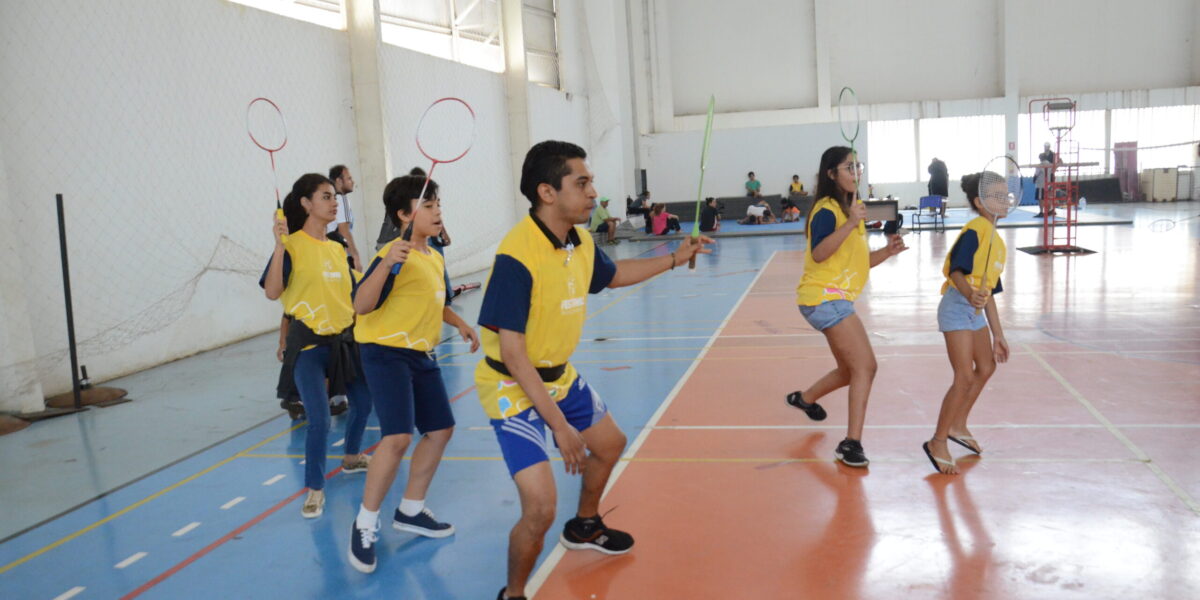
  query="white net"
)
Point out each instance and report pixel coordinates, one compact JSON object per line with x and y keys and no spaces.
{"x":168,"y":204}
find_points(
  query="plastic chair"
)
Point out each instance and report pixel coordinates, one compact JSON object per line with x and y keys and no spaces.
{"x":934,"y":214}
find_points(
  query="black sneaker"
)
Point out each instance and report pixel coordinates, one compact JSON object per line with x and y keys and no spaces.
{"x":814,"y":410}
{"x":850,"y":452}
{"x":338,"y":405}
{"x":501,"y":595}
{"x":422,"y":523}
{"x":362,"y":547}
{"x":592,"y":534}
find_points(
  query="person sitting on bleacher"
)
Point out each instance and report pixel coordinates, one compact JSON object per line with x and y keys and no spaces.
{"x":753,"y":185}
{"x":710,"y":216}
{"x":662,"y":221}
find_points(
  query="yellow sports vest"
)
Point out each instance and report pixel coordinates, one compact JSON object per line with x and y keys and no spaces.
{"x":411,"y":315}
{"x":843,"y":275}
{"x":998,"y":257}
{"x":557,"y":311}
{"x":317,"y":291}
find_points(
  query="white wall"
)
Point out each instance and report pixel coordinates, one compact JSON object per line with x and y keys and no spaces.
{"x":136,"y":112}
{"x":909,"y":59}
{"x":1102,"y":45}
{"x":672,"y":160}
{"x":478,"y":190}
{"x":717,"y":48}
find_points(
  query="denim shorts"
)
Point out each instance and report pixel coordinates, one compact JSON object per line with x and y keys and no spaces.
{"x":955,"y":313}
{"x":827,"y":314}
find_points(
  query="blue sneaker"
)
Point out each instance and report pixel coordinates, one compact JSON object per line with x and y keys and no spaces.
{"x":423,"y":523}
{"x":362,"y":547}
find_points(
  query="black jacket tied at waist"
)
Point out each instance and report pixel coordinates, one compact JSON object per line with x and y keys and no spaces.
{"x":343,"y":364}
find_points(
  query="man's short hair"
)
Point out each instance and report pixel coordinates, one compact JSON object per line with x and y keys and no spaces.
{"x":336,"y":171}
{"x":546,"y":162}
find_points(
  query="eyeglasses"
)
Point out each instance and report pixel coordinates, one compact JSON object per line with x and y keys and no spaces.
{"x":851,"y":167}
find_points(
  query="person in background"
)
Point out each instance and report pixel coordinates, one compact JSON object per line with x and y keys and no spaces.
{"x":662,"y":221}
{"x":602,"y":222}
{"x":797,"y":186}
{"x":753,"y":185}
{"x":710,"y":216}
{"x":343,"y":226}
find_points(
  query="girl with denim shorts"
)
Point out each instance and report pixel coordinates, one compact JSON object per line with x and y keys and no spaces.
{"x":836,"y":267}
{"x":978,"y":253}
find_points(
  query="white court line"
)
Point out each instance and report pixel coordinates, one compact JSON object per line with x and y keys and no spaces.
{"x":130,"y":560}
{"x":274,"y":480}
{"x":71,"y":593}
{"x":186,"y":528}
{"x":372,"y":429}
{"x":339,"y":442}
{"x":1166,"y":479}
{"x":232,"y":503}
{"x":543,"y":571}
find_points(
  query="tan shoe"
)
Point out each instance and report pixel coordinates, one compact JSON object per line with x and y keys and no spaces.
{"x":314,"y":504}
{"x":359,"y":465}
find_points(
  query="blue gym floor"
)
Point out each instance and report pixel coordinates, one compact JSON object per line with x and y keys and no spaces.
{"x":654,"y":332}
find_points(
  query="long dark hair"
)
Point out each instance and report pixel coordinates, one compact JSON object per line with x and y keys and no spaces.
{"x":970,"y":187}
{"x":305,"y":187}
{"x":827,"y":186}
{"x":400,"y":192}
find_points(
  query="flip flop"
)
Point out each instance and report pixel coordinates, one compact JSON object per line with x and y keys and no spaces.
{"x":935,"y":460}
{"x":962,"y":441}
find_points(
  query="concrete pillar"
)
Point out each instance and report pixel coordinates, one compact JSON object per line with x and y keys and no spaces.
{"x":363,"y":28}
{"x":516,"y":92}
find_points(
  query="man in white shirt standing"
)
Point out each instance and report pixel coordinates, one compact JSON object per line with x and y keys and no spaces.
{"x":343,"y":225}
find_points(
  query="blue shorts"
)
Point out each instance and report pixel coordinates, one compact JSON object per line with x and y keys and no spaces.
{"x":827,"y":314}
{"x":407,"y":388}
{"x":523,"y":438}
{"x":955,"y":313}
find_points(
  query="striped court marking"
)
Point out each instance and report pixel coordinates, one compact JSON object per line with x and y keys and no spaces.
{"x":233,"y":534}
{"x":182,"y":531}
{"x":543,"y":571}
{"x":130,"y":560}
{"x":139,"y":503}
{"x":71,"y":593}
{"x":1154,"y":468}
{"x":274,"y":480}
{"x":232,"y":503}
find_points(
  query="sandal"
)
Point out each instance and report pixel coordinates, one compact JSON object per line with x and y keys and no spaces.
{"x":813,"y":410}
{"x":973,"y":446}
{"x":935,"y":460}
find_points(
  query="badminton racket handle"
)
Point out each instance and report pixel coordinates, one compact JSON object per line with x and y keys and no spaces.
{"x":282,"y":219}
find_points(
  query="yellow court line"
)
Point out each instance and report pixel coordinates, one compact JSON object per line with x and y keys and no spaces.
{"x":1142,"y":456}
{"x":139,"y":503}
{"x":338,"y":456}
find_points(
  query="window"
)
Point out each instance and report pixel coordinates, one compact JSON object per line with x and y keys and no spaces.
{"x":965,"y":144}
{"x":1087,"y":139}
{"x":465,"y":31}
{"x":327,"y":13}
{"x":1159,"y":126}
{"x":891,"y":148}
{"x":540,"y":21}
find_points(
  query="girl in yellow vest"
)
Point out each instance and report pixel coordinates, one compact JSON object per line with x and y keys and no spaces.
{"x":402,"y":304}
{"x":977,"y":253}
{"x":310,"y":275}
{"x":835,"y":270}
